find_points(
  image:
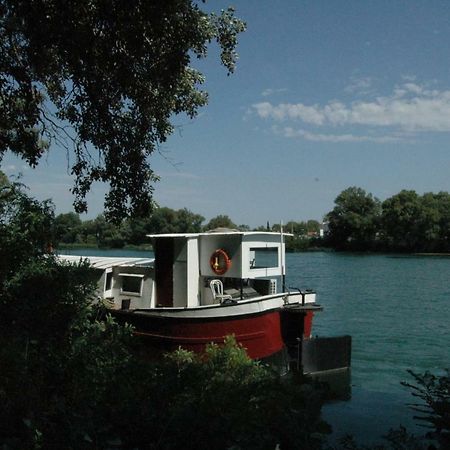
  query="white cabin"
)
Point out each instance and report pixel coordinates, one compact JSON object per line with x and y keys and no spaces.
{"x":184,"y":268}
{"x":193,"y":270}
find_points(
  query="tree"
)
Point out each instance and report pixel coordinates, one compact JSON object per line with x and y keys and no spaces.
{"x":188,"y":222}
{"x":67,"y":227}
{"x":417,"y":223}
{"x":220,"y":221}
{"x":402,"y":221}
{"x":104,"y":78}
{"x":3,"y":179}
{"x":26,"y":228}
{"x":296,"y":228}
{"x":135,"y":229}
{"x":313,"y":225}
{"x":243,"y":227}
{"x":89,"y":231}
{"x":108,"y":234}
{"x":353,"y":222}
{"x":437,"y":217}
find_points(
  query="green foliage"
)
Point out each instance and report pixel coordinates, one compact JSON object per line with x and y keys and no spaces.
{"x":225,"y":400}
{"x":305,"y":235}
{"x":418,"y":223}
{"x":434,"y":391}
{"x":133,"y":231}
{"x":401,"y":218}
{"x":220,"y":221}
{"x":166,"y":220}
{"x":3,"y":179}
{"x":69,"y":229}
{"x":301,"y":243}
{"x":28,"y":297}
{"x":404,"y":222}
{"x":40,"y":303}
{"x":300,"y":228}
{"x":25,"y":228}
{"x":108,"y":234}
{"x":66,"y":227}
{"x":104,"y":77}
{"x":353,"y":221}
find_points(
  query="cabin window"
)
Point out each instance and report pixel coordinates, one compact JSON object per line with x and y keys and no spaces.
{"x":131,"y":284}
{"x":264,"y":257}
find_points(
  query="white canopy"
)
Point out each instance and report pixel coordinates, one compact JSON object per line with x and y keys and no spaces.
{"x":106,"y":262}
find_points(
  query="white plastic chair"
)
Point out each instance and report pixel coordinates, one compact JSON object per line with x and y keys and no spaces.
{"x":217,"y":291}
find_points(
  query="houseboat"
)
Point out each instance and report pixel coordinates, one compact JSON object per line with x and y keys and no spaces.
{"x":201,"y":287}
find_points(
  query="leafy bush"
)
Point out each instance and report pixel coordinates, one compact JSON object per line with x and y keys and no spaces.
{"x":434,"y":391}
{"x":225,"y":400}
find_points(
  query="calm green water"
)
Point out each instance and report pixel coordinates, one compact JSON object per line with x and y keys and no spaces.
{"x":397,"y":310}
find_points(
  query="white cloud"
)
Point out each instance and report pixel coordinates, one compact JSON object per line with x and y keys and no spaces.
{"x":270,"y":91}
{"x":283,"y":111}
{"x":290,"y":132}
{"x":362,"y":85}
{"x":410,"y":107}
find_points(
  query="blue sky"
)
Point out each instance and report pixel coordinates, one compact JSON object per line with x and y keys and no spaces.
{"x":326,"y":95}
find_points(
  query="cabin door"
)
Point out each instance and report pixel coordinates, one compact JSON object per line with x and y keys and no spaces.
{"x":164,"y":254}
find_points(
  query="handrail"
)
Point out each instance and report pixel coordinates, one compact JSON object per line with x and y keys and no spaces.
{"x":302,"y":293}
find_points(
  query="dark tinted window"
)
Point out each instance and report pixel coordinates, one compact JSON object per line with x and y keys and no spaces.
{"x":131,"y":284}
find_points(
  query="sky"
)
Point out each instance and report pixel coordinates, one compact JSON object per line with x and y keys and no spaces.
{"x":326,"y":95}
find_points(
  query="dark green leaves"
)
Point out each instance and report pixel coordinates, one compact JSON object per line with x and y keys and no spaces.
{"x":404,"y":222}
{"x":353,"y":221}
{"x":104,"y":78}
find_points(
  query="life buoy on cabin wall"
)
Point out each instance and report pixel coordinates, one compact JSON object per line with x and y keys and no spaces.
{"x":220,"y":262}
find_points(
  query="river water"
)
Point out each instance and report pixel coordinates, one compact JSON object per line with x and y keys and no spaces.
{"x":397,"y":310}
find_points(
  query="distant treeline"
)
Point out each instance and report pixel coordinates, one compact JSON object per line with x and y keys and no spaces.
{"x":71,"y":230}
{"x":405,"y":222}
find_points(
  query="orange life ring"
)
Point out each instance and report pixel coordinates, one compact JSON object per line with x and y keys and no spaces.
{"x":220,"y":262}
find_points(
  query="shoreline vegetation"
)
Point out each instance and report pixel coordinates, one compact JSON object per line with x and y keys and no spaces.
{"x":71,"y":232}
{"x":404,"y":223}
{"x":359,"y":222}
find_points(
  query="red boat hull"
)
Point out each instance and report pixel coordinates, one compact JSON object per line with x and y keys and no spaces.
{"x":261,"y":334}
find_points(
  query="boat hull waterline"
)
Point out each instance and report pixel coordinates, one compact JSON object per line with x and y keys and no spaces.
{"x":256,"y":325}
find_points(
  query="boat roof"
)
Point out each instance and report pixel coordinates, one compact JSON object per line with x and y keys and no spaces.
{"x":218,"y":232}
{"x":106,"y":262}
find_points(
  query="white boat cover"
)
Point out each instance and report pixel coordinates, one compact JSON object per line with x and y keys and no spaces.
{"x":107,"y":262}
